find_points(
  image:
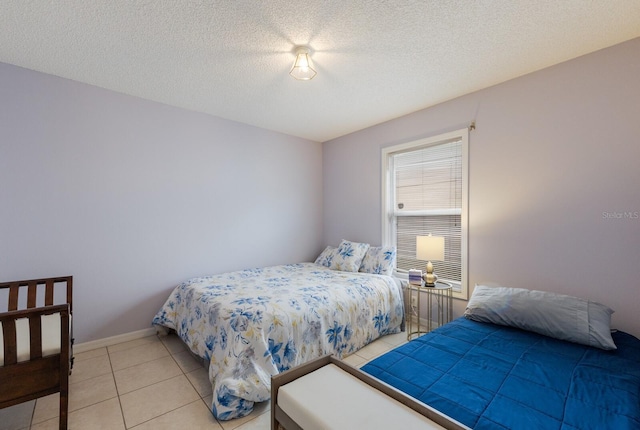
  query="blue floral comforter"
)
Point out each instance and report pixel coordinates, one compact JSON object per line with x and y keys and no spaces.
{"x":253,"y":324}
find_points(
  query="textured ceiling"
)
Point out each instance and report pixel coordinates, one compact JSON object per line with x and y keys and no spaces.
{"x":376,"y":60}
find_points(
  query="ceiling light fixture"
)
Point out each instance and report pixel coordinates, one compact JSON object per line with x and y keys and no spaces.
{"x":302,"y":68}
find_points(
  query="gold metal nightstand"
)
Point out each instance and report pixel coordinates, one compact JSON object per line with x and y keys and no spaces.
{"x":439,"y":297}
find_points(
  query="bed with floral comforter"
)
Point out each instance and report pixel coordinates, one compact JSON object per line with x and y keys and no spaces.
{"x":255,"y":323}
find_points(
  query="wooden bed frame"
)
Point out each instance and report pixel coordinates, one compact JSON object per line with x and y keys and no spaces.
{"x":39,"y":376}
{"x":281,"y":420}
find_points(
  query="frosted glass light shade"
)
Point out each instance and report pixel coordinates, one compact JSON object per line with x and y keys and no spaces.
{"x":303,"y":67}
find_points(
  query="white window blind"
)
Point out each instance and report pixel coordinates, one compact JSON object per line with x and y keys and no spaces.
{"x":428,"y":200}
{"x":425,"y":193}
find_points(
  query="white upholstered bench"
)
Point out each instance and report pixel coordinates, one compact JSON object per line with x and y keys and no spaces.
{"x":329,"y":394}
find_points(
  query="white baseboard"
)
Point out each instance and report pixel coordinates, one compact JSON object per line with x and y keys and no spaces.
{"x":108,"y":341}
{"x":424,"y":323}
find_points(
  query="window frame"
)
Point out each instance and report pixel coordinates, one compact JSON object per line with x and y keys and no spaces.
{"x":461,"y":290}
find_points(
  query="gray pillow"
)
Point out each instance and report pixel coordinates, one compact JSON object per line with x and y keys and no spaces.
{"x":555,"y":315}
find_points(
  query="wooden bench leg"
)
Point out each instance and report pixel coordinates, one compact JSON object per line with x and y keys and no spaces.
{"x":64,"y":409}
{"x":64,"y":395}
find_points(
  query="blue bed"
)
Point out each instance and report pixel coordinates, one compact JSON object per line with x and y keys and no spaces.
{"x":489,"y":376}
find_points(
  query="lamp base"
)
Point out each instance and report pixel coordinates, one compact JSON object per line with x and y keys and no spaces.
{"x":429,"y":277}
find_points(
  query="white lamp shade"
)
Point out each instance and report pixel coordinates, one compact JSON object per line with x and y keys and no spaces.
{"x":429,"y":248}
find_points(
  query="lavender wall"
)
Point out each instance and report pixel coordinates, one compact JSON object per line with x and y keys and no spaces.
{"x":132,"y":197}
{"x":554,"y":179}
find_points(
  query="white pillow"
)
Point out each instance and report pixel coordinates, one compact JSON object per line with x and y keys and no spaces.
{"x":379,"y":260}
{"x":349,"y":256}
{"x":326,"y":257}
{"x":555,"y":315}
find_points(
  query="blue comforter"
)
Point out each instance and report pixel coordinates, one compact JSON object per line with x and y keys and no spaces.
{"x":495,"y":377}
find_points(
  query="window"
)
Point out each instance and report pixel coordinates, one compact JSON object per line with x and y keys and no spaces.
{"x":425,"y":191}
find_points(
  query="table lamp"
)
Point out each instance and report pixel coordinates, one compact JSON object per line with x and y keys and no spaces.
{"x":429,"y":248}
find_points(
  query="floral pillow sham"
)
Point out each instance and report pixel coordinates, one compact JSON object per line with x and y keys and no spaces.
{"x":359,"y":257}
{"x":380,"y":260}
{"x":326,"y":257}
{"x":349,"y":256}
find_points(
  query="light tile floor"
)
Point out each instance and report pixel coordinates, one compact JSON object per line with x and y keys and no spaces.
{"x":149,"y":383}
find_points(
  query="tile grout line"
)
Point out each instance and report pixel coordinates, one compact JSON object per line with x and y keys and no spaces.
{"x":113,"y":375}
{"x":118,"y":391}
{"x":183,"y":372}
{"x":69,"y":412}
{"x":201,"y":362}
{"x":33,"y":414}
